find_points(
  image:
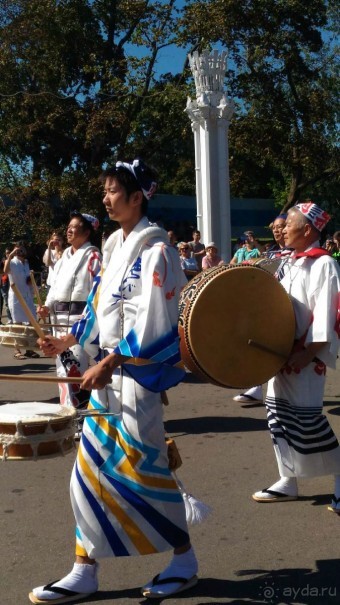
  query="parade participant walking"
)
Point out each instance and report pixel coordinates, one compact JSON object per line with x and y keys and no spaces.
{"x":124,"y":498}
{"x":17,"y":267}
{"x":304,"y":443}
{"x":72,"y":281}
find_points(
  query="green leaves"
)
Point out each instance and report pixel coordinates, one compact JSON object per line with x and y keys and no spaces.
{"x":81,"y":86}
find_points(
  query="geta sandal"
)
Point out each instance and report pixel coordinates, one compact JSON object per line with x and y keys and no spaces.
{"x":273,"y":496}
{"x":149,"y":591}
{"x":66,"y":596}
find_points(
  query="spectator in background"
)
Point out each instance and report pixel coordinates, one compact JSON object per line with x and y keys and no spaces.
{"x":197,"y":248}
{"x":253,"y":240}
{"x":53,"y":252}
{"x":239,"y":243}
{"x":188,"y":263}
{"x":330,"y":245}
{"x":247,"y":252}
{"x":4,"y":288}
{"x":212,"y":259}
{"x":336,"y":240}
{"x":172,"y":239}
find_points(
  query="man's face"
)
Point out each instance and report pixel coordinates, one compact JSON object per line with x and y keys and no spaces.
{"x":294,"y":231}
{"x":278,"y":227}
{"x":76,"y":235}
{"x":116,"y":201}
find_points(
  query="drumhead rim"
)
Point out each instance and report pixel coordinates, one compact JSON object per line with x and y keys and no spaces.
{"x":191,"y":301}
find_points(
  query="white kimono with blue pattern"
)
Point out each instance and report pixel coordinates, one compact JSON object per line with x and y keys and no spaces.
{"x":124,"y":498}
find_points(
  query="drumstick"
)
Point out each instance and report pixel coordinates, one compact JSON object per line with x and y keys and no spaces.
{"x":35,"y":288}
{"x":42,"y":378}
{"x":28,"y":312}
{"x":36,"y":292}
{"x":262,"y":347}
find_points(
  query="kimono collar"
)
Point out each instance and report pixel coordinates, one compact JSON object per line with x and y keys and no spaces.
{"x":314,"y":251}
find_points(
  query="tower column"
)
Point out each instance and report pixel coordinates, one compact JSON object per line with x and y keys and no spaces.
{"x":210,"y":116}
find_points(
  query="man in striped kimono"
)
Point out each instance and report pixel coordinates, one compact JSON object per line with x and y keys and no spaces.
{"x":304,"y":443}
{"x":125,"y":500}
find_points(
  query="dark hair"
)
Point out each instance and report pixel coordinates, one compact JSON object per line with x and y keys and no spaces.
{"x":127,"y":180}
{"x":86,"y":225}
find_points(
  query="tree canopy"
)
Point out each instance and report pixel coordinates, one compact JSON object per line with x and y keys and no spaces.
{"x":80,"y":86}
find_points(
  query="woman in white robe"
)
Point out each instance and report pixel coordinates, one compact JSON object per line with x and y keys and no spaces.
{"x":72,"y":282}
{"x":17,"y":267}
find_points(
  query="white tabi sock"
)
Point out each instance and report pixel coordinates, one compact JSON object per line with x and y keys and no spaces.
{"x":181,"y":566}
{"x":256,"y":392}
{"x":82,"y":579}
{"x":286,"y":485}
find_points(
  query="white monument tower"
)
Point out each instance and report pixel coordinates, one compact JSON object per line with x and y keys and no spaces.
{"x":210,"y":116}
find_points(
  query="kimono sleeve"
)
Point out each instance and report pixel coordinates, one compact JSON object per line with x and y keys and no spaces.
{"x":324,"y":297}
{"x":154,"y":335}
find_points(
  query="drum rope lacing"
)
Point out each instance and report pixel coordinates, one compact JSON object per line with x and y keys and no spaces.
{"x":49,"y":435}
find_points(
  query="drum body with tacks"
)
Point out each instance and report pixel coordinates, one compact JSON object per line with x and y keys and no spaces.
{"x":20,"y":336}
{"x":33,"y":430}
{"x":236,"y":325}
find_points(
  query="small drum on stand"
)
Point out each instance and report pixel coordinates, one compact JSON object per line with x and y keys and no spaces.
{"x":236,"y":325}
{"x":20,"y":336}
{"x":33,"y":430}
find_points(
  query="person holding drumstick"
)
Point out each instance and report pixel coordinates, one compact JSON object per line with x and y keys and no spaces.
{"x":304,"y":443}
{"x":124,"y":497}
{"x":17,"y":267}
{"x":73,"y":276}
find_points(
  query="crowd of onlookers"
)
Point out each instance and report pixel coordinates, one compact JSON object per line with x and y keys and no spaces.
{"x":196,"y":257}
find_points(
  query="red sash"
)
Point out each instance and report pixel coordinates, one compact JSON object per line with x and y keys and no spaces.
{"x":313,"y":253}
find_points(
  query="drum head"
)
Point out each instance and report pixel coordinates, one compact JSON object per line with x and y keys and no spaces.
{"x":35,"y":412}
{"x":234,"y":306}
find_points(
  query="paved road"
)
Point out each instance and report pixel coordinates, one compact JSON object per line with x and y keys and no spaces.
{"x":249,"y":553}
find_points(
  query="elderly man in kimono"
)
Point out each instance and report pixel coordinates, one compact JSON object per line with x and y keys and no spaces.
{"x":125,"y":500}
{"x":304,"y":443}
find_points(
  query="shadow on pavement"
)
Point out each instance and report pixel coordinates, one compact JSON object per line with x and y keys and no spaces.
{"x":278,"y":587}
{"x":215,"y":424}
{"x":28,"y":368}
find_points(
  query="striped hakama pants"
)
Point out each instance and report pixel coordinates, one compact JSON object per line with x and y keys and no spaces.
{"x":304,"y":442}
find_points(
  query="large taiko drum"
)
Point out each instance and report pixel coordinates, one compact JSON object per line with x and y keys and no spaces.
{"x":32,"y":430}
{"x":236,"y":325}
{"x":20,"y":336}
